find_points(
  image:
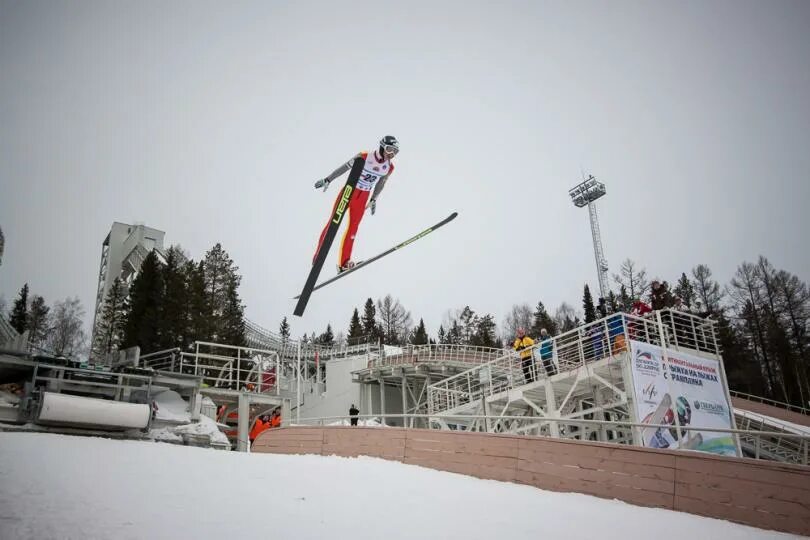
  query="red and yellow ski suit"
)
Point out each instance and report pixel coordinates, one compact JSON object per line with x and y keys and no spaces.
{"x":375,"y":173}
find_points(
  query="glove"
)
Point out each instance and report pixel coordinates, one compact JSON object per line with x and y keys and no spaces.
{"x":323,"y":183}
{"x":373,"y":205}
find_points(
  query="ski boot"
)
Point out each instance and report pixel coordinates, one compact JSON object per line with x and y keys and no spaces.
{"x":348,"y":266}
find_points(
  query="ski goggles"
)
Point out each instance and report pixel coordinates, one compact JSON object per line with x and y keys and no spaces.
{"x":390,"y":149}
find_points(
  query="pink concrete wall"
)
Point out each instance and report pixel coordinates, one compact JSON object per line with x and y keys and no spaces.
{"x":757,"y":493}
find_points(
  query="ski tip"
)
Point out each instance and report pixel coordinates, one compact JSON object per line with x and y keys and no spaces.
{"x":453,"y":215}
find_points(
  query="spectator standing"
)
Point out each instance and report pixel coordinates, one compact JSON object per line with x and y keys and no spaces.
{"x":523,"y":345}
{"x":353,"y":412}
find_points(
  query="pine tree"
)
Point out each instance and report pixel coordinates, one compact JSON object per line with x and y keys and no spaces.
{"x":327,"y":339}
{"x":221,"y":291}
{"x":419,"y":336}
{"x":2,"y":245}
{"x":467,"y":324}
{"x":284,"y":329}
{"x":111,"y":322}
{"x":613,"y":303}
{"x":484,"y":335}
{"x":355,"y":335}
{"x":541,"y":319}
{"x":174,"y":304}
{"x":200,"y":328}
{"x":625,"y":302}
{"x":442,"y":337}
{"x":587,"y":305}
{"x":18,"y":318}
{"x":37,"y":322}
{"x":685,"y":291}
{"x":369,"y":321}
{"x":455,"y":334}
{"x":142,"y":324}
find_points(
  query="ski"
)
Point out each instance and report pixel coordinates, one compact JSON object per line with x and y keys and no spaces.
{"x":362,"y":264}
{"x":331,"y":232}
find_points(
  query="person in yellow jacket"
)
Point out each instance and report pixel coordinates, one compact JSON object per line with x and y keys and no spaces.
{"x":523,"y":345}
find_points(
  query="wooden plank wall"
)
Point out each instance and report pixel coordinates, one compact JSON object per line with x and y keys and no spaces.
{"x":757,"y":493}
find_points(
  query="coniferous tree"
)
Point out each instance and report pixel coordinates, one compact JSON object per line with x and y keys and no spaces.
{"x":199,"y":317}
{"x":442,"y":336}
{"x":2,"y":245}
{"x":142,"y":325}
{"x":541,"y":319}
{"x":484,"y":335}
{"x":37,"y":322}
{"x":110,"y":325}
{"x":419,"y":336}
{"x":355,"y":334}
{"x":466,"y":320}
{"x":685,"y":291}
{"x":613,"y":303}
{"x":327,"y":339}
{"x":284,"y":329}
{"x":174,"y":305}
{"x":587,"y":305}
{"x":369,"y":320}
{"x":18,"y":318}
{"x":625,"y":302}
{"x":454,"y":332}
{"x":221,"y":288}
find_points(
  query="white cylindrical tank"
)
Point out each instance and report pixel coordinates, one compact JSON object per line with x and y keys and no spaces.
{"x":92,"y":412}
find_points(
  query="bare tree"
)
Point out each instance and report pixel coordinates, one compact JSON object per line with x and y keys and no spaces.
{"x":707,"y":290}
{"x":394,"y":320}
{"x":67,"y":337}
{"x":633,"y":279}
{"x":521,"y":316}
{"x":566,"y":317}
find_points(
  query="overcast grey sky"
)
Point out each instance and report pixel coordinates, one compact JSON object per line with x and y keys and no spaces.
{"x":212,"y":120}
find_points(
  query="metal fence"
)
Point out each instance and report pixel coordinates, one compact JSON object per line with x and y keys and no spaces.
{"x":573,"y":349}
{"x":459,"y":354}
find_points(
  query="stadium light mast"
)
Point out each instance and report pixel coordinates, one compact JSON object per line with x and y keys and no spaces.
{"x":585,"y":194}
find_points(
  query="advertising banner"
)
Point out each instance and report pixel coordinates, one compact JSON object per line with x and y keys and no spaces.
{"x":687,"y":387}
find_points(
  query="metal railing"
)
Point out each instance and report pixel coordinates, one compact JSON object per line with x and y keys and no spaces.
{"x":571,"y":350}
{"x":570,"y":428}
{"x":228,"y":366}
{"x":460,"y":354}
{"x":772,"y":402}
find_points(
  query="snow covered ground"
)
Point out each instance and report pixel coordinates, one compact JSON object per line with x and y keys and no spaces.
{"x":57,"y":486}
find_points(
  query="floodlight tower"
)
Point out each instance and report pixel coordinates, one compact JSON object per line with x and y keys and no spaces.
{"x":585,"y":194}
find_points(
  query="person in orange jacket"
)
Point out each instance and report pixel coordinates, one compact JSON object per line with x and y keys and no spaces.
{"x":275,"y":420}
{"x":262,"y":423}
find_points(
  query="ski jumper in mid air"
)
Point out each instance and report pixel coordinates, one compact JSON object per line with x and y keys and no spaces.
{"x":376,"y":171}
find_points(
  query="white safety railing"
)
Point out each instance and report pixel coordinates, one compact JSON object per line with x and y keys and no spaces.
{"x":446,"y":353}
{"x":568,"y":351}
{"x":771,"y":402}
{"x":228,"y":366}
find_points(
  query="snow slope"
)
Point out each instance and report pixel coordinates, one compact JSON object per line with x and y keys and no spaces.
{"x":57,"y":486}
